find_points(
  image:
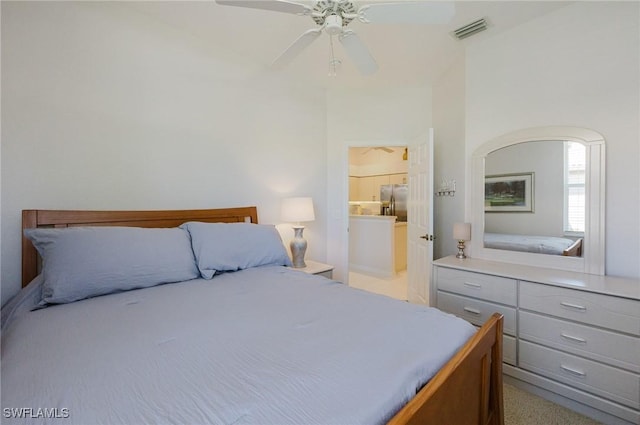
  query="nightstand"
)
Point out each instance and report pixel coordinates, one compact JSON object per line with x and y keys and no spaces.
{"x":321,"y":269}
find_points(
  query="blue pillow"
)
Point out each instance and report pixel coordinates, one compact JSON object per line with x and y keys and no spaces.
{"x":222,"y":247}
{"x":83,"y":262}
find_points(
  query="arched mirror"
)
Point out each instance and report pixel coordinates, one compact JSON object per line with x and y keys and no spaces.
{"x":538,"y":199}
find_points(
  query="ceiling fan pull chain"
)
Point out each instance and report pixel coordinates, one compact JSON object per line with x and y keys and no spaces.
{"x":333,"y":63}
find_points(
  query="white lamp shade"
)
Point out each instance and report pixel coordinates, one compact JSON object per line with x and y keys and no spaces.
{"x":297,"y":210}
{"x":462,"y":231}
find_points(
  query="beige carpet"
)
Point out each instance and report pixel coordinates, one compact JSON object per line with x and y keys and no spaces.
{"x":524,"y":408}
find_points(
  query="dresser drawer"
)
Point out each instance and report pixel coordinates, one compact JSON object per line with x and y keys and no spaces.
{"x":597,"y":344}
{"x":615,"y":313}
{"x":478,"y":285}
{"x":605,"y":381}
{"x":509,"y":349}
{"x":476,"y":311}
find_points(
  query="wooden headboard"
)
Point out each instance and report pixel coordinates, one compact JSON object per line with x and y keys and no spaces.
{"x":167,"y":218}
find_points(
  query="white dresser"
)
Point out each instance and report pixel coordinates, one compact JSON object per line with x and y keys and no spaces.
{"x":570,"y":337}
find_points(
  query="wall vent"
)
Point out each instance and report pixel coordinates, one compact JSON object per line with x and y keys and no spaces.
{"x":470,"y":29}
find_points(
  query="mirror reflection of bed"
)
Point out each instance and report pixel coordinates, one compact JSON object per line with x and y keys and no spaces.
{"x":546,"y":214}
{"x":550,"y":245}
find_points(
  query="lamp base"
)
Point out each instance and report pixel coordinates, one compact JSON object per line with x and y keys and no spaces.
{"x":461,"y":250}
{"x":298,"y":247}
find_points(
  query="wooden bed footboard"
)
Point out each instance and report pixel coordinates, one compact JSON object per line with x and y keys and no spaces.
{"x":575,"y":250}
{"x":468,"y":389}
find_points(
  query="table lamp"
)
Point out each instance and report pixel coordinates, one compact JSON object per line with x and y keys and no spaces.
{"x":297,"y":210}
{"x":461,"y":233}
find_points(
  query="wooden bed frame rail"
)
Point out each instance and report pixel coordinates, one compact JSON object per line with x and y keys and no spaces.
{"x":468,"y":389}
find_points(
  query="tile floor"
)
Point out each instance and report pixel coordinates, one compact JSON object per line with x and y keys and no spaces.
{"x":395,"y":287}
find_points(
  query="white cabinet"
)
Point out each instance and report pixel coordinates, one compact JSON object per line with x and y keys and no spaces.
{"x":575,"y":337}
{"x":398,"y":178}
{"x":371,"y":245}
{"x":367,"y":188}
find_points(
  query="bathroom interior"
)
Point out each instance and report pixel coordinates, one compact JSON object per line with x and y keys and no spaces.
{"x":378,"y":219}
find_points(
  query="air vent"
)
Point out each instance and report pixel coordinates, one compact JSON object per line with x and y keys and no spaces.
{"x":470,"y":29}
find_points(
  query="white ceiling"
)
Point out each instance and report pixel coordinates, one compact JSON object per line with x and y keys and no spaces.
{"x":406,"y":54}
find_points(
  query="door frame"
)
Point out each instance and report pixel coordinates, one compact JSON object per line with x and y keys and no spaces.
{"x":345,"y":181}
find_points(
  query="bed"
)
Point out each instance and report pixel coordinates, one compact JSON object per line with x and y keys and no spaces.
{"x":253,"y":343}
{"x":536,"y":244}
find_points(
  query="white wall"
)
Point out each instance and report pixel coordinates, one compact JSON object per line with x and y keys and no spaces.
{"x":449,"y":158}
{"x":546,"y":161}
{"x":103,"y":108}
{"x":577,"y":66}
{"x":383,"y":117}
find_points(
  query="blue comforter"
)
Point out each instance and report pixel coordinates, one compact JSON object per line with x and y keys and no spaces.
{"x":266,"y":345}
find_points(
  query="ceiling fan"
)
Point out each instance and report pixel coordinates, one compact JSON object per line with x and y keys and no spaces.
{"x":377,"y":148}
{"x":334,"y":16}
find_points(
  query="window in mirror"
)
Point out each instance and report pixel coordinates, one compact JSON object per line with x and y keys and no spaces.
{"x":575,"y":165}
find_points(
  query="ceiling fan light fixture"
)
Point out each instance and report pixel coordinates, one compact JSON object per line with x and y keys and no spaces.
{"x":333,"y":24}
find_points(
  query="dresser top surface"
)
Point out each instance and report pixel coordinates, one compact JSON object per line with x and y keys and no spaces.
{"x":608,"y":285}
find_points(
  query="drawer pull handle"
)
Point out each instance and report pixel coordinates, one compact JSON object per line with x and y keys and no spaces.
{"x":573,"y":306}
{"x":472,"y":310}
{"x":573,"y":338}
{"x":573,"y":371}
{"x":473,"y":285}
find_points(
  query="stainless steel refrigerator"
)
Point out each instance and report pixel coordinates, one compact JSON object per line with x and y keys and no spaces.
{"x":393,"y":200}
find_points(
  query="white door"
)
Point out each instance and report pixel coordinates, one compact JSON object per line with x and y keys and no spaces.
{"x":420,"y":219}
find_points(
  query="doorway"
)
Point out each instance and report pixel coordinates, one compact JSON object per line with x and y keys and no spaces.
{"x":377,"y":211}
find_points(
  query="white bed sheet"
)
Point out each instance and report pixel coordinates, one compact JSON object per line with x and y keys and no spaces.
{"x":527,"y":243}
{"x":267,"y":345}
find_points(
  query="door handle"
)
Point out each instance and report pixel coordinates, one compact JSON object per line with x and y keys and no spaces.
{"x":427,"y":237}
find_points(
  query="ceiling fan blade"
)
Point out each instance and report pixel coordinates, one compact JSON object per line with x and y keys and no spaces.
{"x":274,"y":5}
{"x":411,"y":12}
{"x":378,"y":148}
{"x":358,"y":52}
{"x":296,"y":47}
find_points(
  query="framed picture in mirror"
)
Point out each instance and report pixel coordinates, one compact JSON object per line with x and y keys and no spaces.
{"x":509,"y":192}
